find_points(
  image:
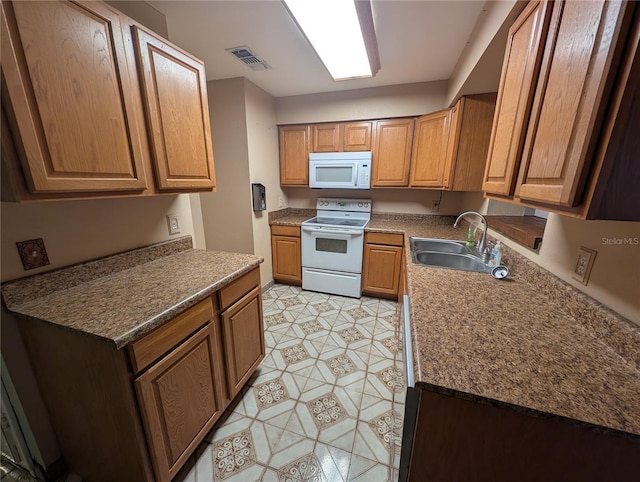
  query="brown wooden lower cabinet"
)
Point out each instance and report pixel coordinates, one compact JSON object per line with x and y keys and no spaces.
{"x":243,"y":339}
{"x":286,"y":254}
{"x":139,"y":412}
{"x":382,"y":264}
{"x":450,"y":438}
{"x":180,"y":400}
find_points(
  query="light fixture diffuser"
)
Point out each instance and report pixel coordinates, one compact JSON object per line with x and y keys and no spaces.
{"x":333,"y":28}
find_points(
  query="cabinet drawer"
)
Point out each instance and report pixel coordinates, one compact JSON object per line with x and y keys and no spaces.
{"x":285,"y":231}
{"x":385,"y":238}
{"x":237,"y":289}
{"x":150,"y":348}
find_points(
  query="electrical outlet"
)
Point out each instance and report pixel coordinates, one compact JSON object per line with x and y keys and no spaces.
{"x":435,"y":206}
{"x":173,"y":224}
{"x":280,"y":202}
{"x":583,"y":267}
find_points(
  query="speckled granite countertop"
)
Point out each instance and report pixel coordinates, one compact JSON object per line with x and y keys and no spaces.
{"x":122,"y":297}
{"x":531,"y":341}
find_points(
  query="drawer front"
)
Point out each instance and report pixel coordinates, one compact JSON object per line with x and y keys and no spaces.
{"x":150,"y":348}
{"x":238,"y":288}
{"x":285,"y":231}
{"x":384,"y":238}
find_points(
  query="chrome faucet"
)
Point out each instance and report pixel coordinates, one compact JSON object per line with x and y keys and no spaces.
{"x":484,"y":233}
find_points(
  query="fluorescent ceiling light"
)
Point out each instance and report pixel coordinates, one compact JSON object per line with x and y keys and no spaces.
{"x":334,"y":30}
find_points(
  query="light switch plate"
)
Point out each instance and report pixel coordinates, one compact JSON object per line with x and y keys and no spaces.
{"x":173,"y":224}
{"x":583,"y":267}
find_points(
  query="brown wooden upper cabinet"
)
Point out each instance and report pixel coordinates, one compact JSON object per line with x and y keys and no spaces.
{"x":357,"y":136}
{"x":71,"y":97}
{"x":429,"y":160}
{"x":469,"y":137}
{"x":515,"y":95}
{"x":294,"y":155}
{"x":571,"y":115}
{"x":391,"y":153}
{"x":177,"y":112}
{"x":450,"y":146}
{"x":341,"y":137}
{"x":442,"y":150}
{"x":75,"y":101}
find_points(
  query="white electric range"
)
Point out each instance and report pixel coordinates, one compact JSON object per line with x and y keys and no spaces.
{"x":332,"y":246}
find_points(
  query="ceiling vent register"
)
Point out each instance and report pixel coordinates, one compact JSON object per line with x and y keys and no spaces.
{"x":249,"y":58}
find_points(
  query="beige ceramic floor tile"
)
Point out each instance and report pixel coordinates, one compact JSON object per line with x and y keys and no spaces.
{"x":326,"y":402}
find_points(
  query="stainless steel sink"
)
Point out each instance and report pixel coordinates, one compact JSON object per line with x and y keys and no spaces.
{"x":465,"y":262}
{"x":438,"y":245}
{"x":445,"y":253}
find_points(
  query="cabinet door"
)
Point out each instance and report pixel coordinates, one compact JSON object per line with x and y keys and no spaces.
{"x":569,"y":102}
{"x":469,"y":141}
{"x":391,"y":154}
{"x":180,"y":402}
{"x":326,"y":137}
{"x":176,"y":105}
{"x":286,"y":259}
{"x":430,"y":150}
{"x":294,"y":155}
{"x":515,"y":95}
{"x":357,"y":136}
{"x":71,"y":96}
{"x":243,"y":339}
{"x":381,"y":270}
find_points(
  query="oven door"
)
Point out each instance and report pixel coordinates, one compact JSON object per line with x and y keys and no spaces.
{"x":337,"y":249}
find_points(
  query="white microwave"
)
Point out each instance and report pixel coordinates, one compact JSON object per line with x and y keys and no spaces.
{"x":340,"y":170}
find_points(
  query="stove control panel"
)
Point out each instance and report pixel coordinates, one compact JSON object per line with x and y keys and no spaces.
{"x":338,"y":204}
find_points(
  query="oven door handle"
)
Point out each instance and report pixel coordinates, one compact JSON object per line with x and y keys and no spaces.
{"x":348,"y":232}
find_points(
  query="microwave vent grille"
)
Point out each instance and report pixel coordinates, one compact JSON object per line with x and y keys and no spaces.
{"x":249,"y":58}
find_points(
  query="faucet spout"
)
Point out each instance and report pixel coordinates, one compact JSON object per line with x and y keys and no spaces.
{"x":485,"y":227}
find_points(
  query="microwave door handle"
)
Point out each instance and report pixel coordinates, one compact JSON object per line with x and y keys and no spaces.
{"x":348,"y":232}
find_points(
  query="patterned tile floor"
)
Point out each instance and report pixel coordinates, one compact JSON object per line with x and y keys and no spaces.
{"x":327,"y":402}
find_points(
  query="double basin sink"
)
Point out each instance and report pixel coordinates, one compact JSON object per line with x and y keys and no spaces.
{"x":446,"y":253}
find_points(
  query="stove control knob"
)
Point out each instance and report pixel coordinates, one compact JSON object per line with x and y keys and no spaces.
{"x":359,"y":205}
{"x":366,"y":205}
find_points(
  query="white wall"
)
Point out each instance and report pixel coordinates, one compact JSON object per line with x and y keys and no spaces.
{"x":245,"y":145}
{"x":478,"y":67}
{"x":615,"y":277}
{"x":262,"y":142}
{"x":226,"y":213}
{"x":76,"y":231}
{"x":374,"y":103}
{"x":409,"y":201}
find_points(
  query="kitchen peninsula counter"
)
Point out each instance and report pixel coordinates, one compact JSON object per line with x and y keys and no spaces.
{"x":531,"y":341}
{"x":123,"y":297}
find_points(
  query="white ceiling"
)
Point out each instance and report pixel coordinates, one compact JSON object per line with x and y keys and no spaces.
{"x":418,"y":41}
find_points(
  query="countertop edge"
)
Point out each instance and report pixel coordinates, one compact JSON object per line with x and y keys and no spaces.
{"x":451,"y":392}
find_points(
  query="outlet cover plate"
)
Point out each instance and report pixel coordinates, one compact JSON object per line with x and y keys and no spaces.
{"x":584,"y":264}
{"x":173,"y":224}
{"x":33,"y":254}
